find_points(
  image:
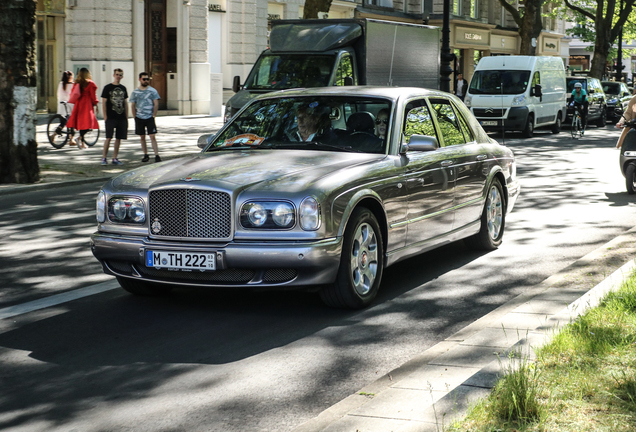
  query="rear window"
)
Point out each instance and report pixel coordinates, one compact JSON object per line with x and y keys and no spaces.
{"x":573,"y":81}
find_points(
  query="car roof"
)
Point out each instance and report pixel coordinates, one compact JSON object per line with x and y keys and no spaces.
{"x":393,"y":93}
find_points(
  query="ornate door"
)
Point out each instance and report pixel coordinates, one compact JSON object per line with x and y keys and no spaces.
{"x":156,"y":52}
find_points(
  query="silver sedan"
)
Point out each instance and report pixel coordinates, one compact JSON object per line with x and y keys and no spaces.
{"x":318,"y":189}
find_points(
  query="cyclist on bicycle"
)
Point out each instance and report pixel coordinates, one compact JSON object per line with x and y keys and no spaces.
{"x":579,"y":102}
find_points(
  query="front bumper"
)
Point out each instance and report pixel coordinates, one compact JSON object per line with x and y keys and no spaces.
{"x":515,"y":121}
{"x":239,"y":264}
{"x":514,"y":189}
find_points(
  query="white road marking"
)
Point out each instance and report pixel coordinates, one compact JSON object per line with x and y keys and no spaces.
{"x":57,"y":299}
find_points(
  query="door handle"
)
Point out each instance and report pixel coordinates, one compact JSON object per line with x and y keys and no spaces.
{"x":447,"y":163}
{"x":481,"y":157}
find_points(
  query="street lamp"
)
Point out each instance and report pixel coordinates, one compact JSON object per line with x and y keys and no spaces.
{"x":446,"y":57}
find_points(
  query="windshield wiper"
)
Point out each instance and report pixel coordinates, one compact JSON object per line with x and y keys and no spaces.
{"x":331,"y":146}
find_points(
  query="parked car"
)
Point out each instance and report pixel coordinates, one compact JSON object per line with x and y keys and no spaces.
{"x":258,"y":208}
{"x":597,"y":109}
{"x":618,"y":95}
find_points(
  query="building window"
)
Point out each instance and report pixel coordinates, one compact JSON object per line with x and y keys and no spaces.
{"x":457,"y":7}
{"x":474,"y":9}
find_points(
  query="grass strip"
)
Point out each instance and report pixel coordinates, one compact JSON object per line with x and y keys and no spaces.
{"x":584,"y":379}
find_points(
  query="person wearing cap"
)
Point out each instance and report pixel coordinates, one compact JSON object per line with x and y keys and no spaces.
{"x":579,"y":99}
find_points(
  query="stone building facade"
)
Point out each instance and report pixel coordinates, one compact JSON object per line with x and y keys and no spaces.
{"x":166,"y":38}
{"x":194,"y":48}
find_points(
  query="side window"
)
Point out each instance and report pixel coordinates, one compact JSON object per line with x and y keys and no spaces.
{"x":468,"y":133}
{"x":345,"y":69}
{"x":448,"y":122}
{"x":418,"y":120}
{"x":536,"y":79}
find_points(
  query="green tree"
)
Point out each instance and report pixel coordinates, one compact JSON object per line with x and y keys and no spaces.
{"x":529,"y":23}
{"x":600,"y":22}
{"x":312,"y":7}
{"x":18,"y":92}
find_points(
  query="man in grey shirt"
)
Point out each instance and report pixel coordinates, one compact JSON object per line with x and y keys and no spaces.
{"x":145,"y":103}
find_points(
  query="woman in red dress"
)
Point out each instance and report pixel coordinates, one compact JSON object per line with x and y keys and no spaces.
{"x":83,"y":115}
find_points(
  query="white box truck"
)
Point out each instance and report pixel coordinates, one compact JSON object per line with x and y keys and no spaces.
{"x":518,"y":93}
{"x":328,"y":52}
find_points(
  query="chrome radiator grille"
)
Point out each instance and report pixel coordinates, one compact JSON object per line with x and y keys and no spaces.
{"x":190,"y":213}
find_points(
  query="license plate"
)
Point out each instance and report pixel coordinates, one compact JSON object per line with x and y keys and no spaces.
{"x":488,"y":123}
{"x":180,"y":260}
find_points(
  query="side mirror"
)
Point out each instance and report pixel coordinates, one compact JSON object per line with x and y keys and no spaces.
{"x":236,"y":84}
{"x":536,"y":91}
{"x":422,"y":143}
{"x":203,"y":140}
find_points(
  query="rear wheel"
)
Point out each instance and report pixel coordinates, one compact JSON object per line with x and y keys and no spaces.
{"x":361,"y":264}
{"x":493,"y":220}
{"x":630,"y":178}
{"x":91,"y":137}
{"x":143,"y":288}
{"x":528,"y":130}
{"x":556,"y":128}
{"x":56,"y":131}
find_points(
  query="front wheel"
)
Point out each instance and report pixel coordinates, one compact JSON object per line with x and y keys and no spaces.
{"x":361,"y":264}
{"x":91,"y":137}
{"x":576,"y":126}
{"x":602,"y":121}
{"x":528,"y":130}
{"x":56,"y":131}
{"x":493,"y":220}
{"x":630,"y":178}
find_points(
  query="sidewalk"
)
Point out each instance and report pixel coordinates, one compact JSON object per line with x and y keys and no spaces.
{"x":176,"y":137}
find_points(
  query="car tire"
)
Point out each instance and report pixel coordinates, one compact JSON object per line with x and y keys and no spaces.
{"x":493,"y":220}
{"x":556,"y":128}
{"x":602,"y":121}
{"x":630,"y":179}
{"x":143,"y":288}
{"x":528,"y":130}
{"x":361,"y":264}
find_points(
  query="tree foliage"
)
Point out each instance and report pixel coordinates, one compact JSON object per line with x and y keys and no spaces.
{"x":528,"y":19}
{"x":600,"y":22}
{"x":312,"y":7}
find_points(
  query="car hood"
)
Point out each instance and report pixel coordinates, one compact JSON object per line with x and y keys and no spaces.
{"x":284,"y":170}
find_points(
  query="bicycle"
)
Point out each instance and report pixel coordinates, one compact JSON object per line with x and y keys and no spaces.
{"x":58,"y":134}
{"x":577,"y":129}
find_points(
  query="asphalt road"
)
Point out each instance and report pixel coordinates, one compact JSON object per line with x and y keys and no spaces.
{"x":240,"y":361}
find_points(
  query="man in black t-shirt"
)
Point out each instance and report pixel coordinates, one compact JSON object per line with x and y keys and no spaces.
{"x":115,"y":109}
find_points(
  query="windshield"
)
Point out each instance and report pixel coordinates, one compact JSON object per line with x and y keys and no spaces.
{"x":612,"y":88}
{"x":499,"y":82}
{"x":290,"y":71}
{"x":310,"y":123}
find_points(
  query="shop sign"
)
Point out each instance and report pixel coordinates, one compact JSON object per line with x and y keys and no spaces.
{"x":272,"y":17}
{"x":215,"y":8}
{"x":550,"y":45}
{"x":467,"y":36}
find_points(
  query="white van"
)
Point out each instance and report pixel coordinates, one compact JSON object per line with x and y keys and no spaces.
{"x":518,"y":93}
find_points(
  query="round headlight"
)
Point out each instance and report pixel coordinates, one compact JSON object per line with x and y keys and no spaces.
{"x":309,"y":214}
{"x":257,"y":215}
{"x":283,"y":215}
{"x":119,"y":209}
{"x":101,"y":207}
{"x":136,"y":211}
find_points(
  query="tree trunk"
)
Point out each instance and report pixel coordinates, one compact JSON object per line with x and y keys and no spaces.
{"x":531,"y":27}
{"x":312,"y":7}
{"x":18,"y":92}
{"x":602,"y":47}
